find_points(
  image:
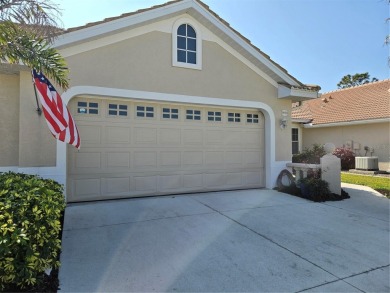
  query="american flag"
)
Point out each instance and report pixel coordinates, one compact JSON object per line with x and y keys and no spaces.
{"x":58,"y":117}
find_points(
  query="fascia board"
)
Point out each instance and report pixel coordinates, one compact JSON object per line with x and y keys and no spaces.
{"x":245,"y":45}
{"x":347,"y":123}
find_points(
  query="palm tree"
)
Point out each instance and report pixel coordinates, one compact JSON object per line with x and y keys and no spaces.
{"x":27,"y":29}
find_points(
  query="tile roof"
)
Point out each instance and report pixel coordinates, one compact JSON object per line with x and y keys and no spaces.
{"x":302,"y":86}
{"x":364,"y":102}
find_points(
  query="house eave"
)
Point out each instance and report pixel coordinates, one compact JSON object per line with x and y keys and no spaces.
{"x":296,"y":94}
{"x":347,"y":123}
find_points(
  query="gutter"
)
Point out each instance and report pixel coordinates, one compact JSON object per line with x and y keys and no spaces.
{"x":346,"y":123}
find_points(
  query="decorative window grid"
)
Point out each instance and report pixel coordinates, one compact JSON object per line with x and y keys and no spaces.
{"x":186,"y":44}
{"x":252,"y":118}
{"x":193,"y":114}
{"x":117,"y":110}
{"x":214,"y":116}
{"x":87,"y":108}
{"x":169,"y":113}
{"x":234,"y":117}
{"x":145,"y":111}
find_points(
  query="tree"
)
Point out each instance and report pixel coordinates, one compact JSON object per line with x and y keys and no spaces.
{"x":354,"y":80}
{"x":27,"y":29}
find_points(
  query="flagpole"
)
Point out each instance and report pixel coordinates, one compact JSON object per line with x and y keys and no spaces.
{"x":39,"y":110}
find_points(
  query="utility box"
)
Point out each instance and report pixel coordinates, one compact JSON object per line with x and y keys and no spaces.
{"x":366,"y":163}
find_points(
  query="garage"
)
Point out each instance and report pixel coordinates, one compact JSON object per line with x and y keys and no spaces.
{"x":134,"y":148}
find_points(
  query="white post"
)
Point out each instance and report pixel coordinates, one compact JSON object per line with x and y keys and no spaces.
{"x":331,"y":169}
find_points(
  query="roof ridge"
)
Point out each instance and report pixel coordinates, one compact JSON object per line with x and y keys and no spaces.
{"x":357,"y":86}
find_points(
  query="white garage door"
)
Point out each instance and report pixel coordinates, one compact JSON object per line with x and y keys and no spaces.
{"x":134,"y":148}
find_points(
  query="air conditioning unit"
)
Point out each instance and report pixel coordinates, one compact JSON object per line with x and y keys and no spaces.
{"x":366,"y":163}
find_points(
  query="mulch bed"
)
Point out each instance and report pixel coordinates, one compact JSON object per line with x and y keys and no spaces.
{"x":293,"y":190}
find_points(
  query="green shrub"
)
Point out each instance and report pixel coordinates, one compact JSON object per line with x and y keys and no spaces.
{"x":310,"y":155}
{"x":30,"y":212}
{"x":314,"y":188}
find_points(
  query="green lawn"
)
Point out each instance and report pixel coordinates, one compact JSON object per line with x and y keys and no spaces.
{"x":381,"y":184}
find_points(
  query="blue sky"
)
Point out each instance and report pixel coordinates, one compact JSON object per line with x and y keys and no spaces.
{"x":317,"y":41}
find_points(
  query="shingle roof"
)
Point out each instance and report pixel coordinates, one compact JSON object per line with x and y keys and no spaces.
{"x":364,"y":102}
{"x":302,"y":86}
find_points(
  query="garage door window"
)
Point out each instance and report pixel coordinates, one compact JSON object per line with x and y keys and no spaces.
{"x":87,"y":108}
{"x":168,"y":113}
{"x":143,"y":111}
{"x":193,"y":115}
{"x":117,"y":110}
{"x":214,"y":116}
{"x":252,"y":118}
{"x":234,"y":117}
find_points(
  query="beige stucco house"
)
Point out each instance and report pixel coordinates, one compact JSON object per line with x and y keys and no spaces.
{"x":357,"y":118}
{"x":167,"y":100}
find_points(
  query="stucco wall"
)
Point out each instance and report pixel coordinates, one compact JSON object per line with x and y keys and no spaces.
{"x":145,"y":63}
{"x":375,"y":135}
{"x":141,"y":63}
{"x":9,"y":125}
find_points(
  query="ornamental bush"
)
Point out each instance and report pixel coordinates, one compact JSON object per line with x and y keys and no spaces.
{"x":30,"y":213}
{"x":346,"y":156}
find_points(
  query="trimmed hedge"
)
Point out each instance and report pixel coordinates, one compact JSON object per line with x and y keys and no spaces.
{"x":30,"y":213}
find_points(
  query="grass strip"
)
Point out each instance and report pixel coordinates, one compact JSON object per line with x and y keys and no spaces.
{"x":380,"y":184}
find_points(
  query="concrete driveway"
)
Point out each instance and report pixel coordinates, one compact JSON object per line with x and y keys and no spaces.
{"x":252,"y":240}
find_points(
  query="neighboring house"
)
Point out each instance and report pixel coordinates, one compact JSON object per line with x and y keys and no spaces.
{"x":357,"y":118}
{"x":167,"y":100}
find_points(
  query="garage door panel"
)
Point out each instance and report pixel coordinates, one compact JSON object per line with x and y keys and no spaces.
{"x":117,"y":134}
{"x":87,"y":160}
{"x":214,"y":158}
{"x":170,"y":182}
{"x":192,"y":181}
{"x":214,"y":137}
{"x":170,"y":136}
{"x":91,"y":134}
{"x":144,"y":160}
{"x":233,"y":138}
{"x":234,"y":179}
{"x":117,"y":185}
{"x":129,"y":156}
{"x":145,"y":135}
{"x":233,"y":158}
{"x":85,"y":188}
{"x":145,"y":184}
{"x":117,"y":160}
{"x":170,"y":159}
{"x":214,"y":179}
{"x":252,"y":178}
{"x":192,"y":158}
{"x":192,"y":137}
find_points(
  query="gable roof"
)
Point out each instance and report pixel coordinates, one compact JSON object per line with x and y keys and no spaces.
{"x":202,"y":13}
{"x":365,"y":102}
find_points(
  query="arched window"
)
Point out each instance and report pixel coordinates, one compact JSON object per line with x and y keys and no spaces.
{"x":186,"y":44}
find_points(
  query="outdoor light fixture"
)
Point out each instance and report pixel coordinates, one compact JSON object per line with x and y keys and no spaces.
{"x":283,"y":121}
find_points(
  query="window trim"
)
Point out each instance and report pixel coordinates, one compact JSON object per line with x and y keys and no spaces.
{"x":295,"y":141}
{"x":88,"y":107}
{"x":176,"y":63}
{"x":170,"y":113}
{"x":118,"y":110}
{"x":145,"y":111}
